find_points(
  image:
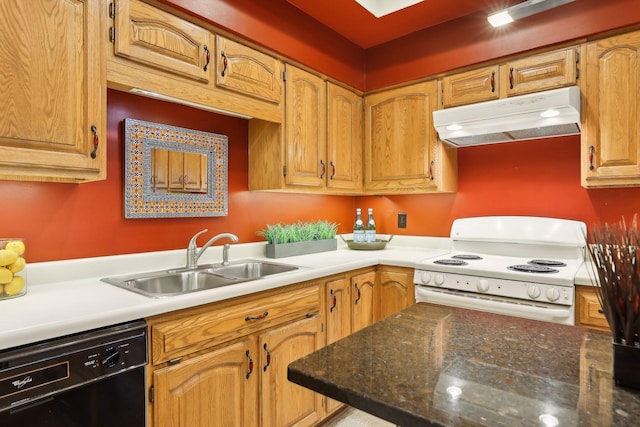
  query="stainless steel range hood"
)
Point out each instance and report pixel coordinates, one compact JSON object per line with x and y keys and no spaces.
{"x":538,"y":115}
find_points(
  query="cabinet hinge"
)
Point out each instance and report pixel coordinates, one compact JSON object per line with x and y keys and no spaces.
{"x":112,"y":10}
{"x":151,"y":393}
{"x":284,"y":76}
{"x":284,"y":170}
{"x":112,"y":35}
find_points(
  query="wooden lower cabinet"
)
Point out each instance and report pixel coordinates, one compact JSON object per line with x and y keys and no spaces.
{"x":216,"y":388}
{"x":225,"y":363}
{"x":363,"y":288}
{"x":396,"y":289}
{"x":284,"y":403}
{"x":589,"y":312}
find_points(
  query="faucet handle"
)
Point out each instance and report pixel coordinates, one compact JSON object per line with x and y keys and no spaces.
{"x":192,"y":242}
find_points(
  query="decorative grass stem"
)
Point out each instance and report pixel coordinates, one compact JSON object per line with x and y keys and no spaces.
{"x":614,"y":250}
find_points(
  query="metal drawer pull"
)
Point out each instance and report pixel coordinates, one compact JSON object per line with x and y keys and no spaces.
{"x":259,"y":317}
{"x":266,"y":349}
{"x":250,"y":361}
{"x":208,"y":57}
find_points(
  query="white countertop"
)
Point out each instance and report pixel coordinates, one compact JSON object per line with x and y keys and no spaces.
{"x":66,"y":297}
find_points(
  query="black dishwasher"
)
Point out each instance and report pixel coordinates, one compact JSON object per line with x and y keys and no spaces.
{"x":91,"y":379}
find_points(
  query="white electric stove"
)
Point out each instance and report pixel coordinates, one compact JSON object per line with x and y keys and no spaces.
{"x":514,"y":265}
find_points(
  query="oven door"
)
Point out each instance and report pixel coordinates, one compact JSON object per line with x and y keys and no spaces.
{"x":494,"y":304}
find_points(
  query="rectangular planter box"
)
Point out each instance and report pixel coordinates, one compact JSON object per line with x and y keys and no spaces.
{"x":301,"y":248}
{"x":625,"y":365}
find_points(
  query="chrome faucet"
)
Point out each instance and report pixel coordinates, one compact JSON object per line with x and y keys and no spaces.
{"x":193,"y":254}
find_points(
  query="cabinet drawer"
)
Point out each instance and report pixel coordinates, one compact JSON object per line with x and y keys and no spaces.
{"x":204,"y":327}
{"x":541,"y":72}
{"x":589,"y":312}
{"x":471,"y":86}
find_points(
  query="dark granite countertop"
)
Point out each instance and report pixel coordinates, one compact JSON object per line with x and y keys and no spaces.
{"x":435,"y":365}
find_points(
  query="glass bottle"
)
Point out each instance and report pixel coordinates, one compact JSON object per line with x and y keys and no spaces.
{"x":358,"y":228}
{"x":370,"y":228}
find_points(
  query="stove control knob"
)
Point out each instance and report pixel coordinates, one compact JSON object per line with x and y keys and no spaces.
{"x":483,"y":285}
{"x":439,"y":279}
{"x":553,"y":294}
{"x":533,"y":292}
{"x":425,"y":278}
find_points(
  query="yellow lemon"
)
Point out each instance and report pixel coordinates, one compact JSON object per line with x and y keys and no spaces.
{"x":18,"y":265}
{"x":6,"y":275}
{"x":16,"y":246}
{"x":15,"y":286}
{"x":7,"y":257}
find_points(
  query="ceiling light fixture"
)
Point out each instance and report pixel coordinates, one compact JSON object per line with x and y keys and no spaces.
{"x":380,"y":8}
{"x":522,"y":10}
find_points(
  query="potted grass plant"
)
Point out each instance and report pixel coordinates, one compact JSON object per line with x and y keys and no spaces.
{"x":301,"y":238}
{"x":614,"y":251}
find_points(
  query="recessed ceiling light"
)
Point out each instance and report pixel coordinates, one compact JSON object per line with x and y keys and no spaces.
{"x":380,"y":8}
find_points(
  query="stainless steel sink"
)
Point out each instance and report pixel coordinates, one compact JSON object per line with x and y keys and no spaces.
{"x":159,"y":284}
{"x":252,"y":269}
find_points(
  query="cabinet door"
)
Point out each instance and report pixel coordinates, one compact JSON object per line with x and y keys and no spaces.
{"x":396,"y":290}
{"x":247,"y":71}
{"x":305,"y":135}
{"x":400,"y":139}
{"x":472,"y":86}
{"x":283,"y":402}
{"x":157,"y":38}
{"x":588,"y":309}
{"x":344,"y":138}
{"x":611,"y":112}
{"x":159,"y":169}
{"x":540,"y":72}
{"x":219,"y":388}
{"x":338,"y":323}
{"x":195,"y":172}
{"x":363,"y":297}
{"x":52,"y":81}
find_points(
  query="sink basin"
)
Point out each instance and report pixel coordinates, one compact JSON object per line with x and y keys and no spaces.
{"x":252,"y":269}
{"x":159,"y":284}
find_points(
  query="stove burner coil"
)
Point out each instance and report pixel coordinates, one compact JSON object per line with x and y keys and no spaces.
{"x":548,"y":262}
{"x":470,"y":257}
{"x":532,"y":268}
{"x":450,"y":262}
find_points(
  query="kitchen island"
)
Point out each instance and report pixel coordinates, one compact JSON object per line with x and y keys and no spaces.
{"x":436,"y":365}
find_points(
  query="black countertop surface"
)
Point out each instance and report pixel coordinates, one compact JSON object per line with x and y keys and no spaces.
{"x":436,"y":365}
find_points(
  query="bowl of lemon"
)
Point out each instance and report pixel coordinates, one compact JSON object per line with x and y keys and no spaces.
{"x":12,"y":273}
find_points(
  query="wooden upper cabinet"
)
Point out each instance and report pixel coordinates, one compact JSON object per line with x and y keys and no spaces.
{"x":52,"y":91}
{"x":401,"y":152}
{"x":344,"y":139}
{"x":247,"y":71}
{"x":540,"y":72}
{"x":472,"y":86}
{"x":611,"y":112}
{"x":305,"y":129}
{"x":159,"y":39}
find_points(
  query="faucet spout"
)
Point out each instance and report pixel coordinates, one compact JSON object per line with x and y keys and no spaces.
{"x":193,"y":254}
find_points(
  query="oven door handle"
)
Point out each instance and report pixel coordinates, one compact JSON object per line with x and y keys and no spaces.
{"x":562,"y":314}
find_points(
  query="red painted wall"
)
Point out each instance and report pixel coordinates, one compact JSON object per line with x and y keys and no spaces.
{"x":536,"y":178}
{"x":63,"y":221}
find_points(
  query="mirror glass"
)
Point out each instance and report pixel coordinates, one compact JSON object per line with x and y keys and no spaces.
{"x":173,"y":172}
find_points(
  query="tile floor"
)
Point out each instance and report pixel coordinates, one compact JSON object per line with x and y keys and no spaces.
{"x":355,"y":418}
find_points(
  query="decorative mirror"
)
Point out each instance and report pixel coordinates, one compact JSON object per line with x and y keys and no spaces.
{"x":173,"y":172}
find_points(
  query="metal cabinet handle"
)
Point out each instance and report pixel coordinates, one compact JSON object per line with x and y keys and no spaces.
{"x":324,"y":169}
{"x":493,"y":81}
{"x":224,"y":63}
{"x":511,"y":78}
{"x":431,"y":167}
{"x":208,"y":57}
{"x":333,"y":169}
{"x":258,"y":317}
{"x":591,"y":151}
{"x":250,"y":364}
{"x":334,"y":301}
{"x":266,"y":349}
{"x":358,"y":294}
{"x":96,"y":140}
